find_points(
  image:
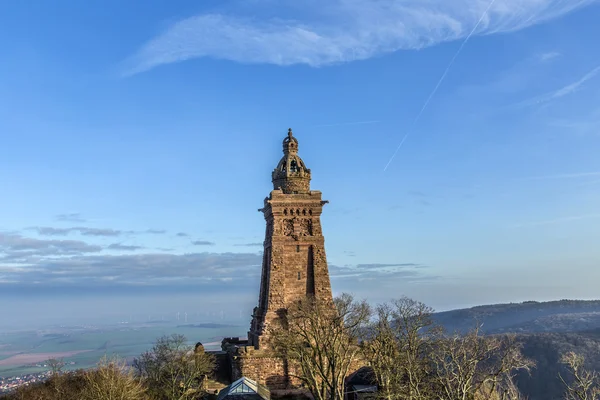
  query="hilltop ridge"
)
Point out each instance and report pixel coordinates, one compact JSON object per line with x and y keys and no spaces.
{"x":526,"y":317}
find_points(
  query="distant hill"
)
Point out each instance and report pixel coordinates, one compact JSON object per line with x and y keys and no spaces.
{"x":526,"y":317}
{"x":547,"y":330}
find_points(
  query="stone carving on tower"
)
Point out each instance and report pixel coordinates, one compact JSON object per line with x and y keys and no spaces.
{"x":294,"y":262}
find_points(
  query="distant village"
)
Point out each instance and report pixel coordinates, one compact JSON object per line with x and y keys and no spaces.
{"x":10,"y":384}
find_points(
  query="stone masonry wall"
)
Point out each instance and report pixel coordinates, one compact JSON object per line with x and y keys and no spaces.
{"x":265,"y":368}
{"x":274,"y":372}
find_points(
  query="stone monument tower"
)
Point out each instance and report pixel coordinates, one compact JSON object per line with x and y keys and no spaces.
{"x":294,"y":263}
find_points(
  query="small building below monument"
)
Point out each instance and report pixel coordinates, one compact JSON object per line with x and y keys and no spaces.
{"x":244,"y":389}
{"x":361,"y":385}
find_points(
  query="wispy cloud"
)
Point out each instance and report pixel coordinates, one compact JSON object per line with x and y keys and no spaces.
{"x":385,"y":266}
{"x":507,"y":85}
{"x":592,"y":182}
{"x":256,"y":244}
{"x":574,"y":175}
{"x":575,"y":85}
{"x":156,"y":231}
{"x":203,"y":243}
{"x":123,"y":247}
{"x":340,"y":31}
{"x":71,"y":217}
{"x":408,"y":271}
{"x":578,"y":126}
{"x":557,"y":220}
{"x":551,"y":55}
{"x":563,"y":91}
{"x":49,"y":231}
{"x":586,"y":122}
{"x":98,"y":232}
{"x":134,"y":270}
{"x":16,"y":248}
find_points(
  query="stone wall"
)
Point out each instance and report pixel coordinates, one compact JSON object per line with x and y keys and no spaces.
{"x":264,"y":367}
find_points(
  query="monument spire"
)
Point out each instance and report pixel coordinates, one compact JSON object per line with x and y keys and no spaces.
{"x":294,"y":261}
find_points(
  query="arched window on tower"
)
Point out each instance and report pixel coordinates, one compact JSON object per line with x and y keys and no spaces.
{"x":293,"y":166}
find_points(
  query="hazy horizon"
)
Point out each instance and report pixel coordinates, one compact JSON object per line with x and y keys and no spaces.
{"x":133,"y":310}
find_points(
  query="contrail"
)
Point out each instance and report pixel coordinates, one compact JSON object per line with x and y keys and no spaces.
{"x":438,"y":84}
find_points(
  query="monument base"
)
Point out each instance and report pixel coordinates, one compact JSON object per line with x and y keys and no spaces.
{"x":262,"y":366}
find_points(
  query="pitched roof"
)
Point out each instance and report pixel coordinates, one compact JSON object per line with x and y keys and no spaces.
{"x":245,"y":388}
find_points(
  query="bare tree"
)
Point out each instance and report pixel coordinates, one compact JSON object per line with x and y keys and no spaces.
{"x":321,"y":340}
{"x":57,"y":381}
{"x":585,"y":384}
{"x":172,"y":370}
{"x":55,"y":365}
{"x":113,"y":380}
{"x":383,"y":353}
{"x":397,"y":348}
{"x":470,"y":366}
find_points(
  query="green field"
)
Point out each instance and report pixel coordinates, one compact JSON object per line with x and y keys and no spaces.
{"x":125,"y":341}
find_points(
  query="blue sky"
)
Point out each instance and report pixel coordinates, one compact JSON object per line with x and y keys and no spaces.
{"x":138,"y":142}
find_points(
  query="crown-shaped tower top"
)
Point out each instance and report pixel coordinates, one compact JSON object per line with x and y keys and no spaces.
{"x":290,"y":143}
{"x":291,"y":175}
